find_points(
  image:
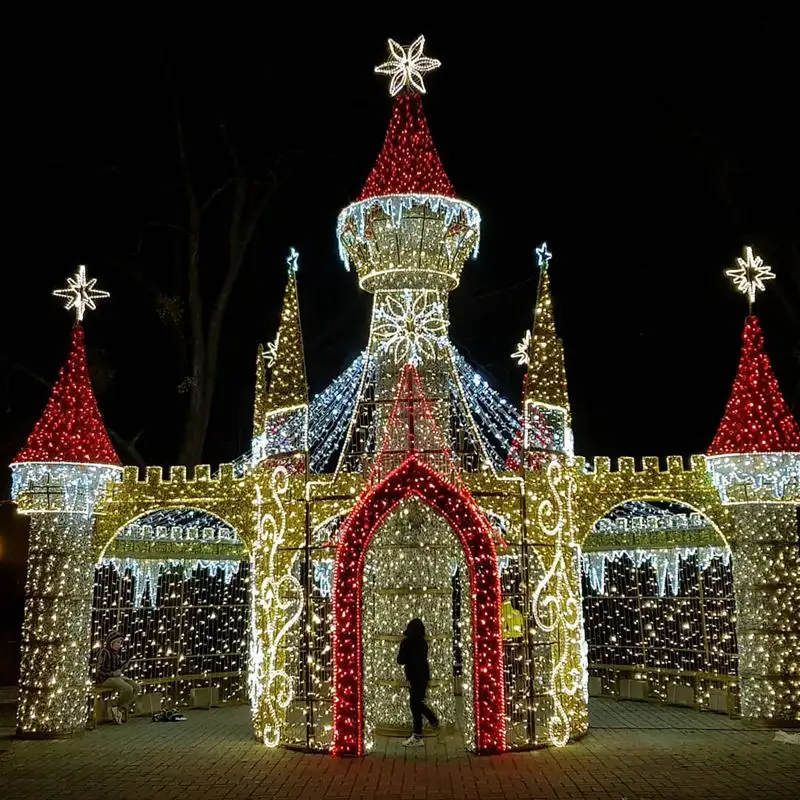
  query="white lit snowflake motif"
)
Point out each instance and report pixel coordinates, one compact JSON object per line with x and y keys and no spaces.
{"x":520,"y":355}
{"x":271,"y":353}
{"x":410,"y":327}
{"x":750,"y":275}
{"x":407,"y":65}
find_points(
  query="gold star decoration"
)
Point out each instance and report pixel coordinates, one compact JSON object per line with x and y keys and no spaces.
{"x":520,"y":355}
{"x":80,"y":294}
{"x":407,"y":65}
{"x":750,"y":275}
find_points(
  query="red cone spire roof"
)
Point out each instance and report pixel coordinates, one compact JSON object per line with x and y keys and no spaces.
{"x":71,"y":428}
{"x":408,"y":162}
{"x":757,"y":419}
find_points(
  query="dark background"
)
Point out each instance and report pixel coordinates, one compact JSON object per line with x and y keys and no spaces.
{"x":647,"y":151}
{"x":646,"y":157}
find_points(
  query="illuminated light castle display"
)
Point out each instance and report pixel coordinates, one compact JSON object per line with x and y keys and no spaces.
{"x":410,"y":488}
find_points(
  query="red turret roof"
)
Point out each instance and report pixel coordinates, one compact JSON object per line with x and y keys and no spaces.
{"x":71,"y":428}
{"x":408,"y":162}
{"x":757,"y":419}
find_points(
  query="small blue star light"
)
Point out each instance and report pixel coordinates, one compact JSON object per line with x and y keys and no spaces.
{"x":543,"y":255}
{"x":291,"y":261}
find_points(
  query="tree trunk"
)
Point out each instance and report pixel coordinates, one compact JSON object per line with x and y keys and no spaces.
{"x":197,"y":417}
{"x":248,"y":205}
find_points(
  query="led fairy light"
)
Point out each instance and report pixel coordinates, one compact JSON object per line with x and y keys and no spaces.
{"x":413,"y":477}
{"x":497,"y":572}
{"x":204,"y":643}
{"x":556,"y":605}
{"x":58,"y":478}
{"x":330,"y":413}
{"x":545,"y":427}
{"x":493,"y":413}
{"x":403,"y":579}
{"x":408,"y":236}
{"x":410,"y":327}
{"x":408,"y":193}
{"x":419,"y":473}
{"x":279,"y":603}
{"x":687,"y":636}
{"x":284,"y":426}
{"x":407,"y":65}
{"x":754,"y":461}
{"x":749,"y":276}
{"x":80,"y":294}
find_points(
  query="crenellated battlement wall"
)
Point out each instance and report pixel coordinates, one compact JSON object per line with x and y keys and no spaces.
{"x":602,"y":484}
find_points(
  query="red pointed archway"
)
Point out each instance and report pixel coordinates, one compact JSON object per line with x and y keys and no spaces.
{"x":415,"y":479}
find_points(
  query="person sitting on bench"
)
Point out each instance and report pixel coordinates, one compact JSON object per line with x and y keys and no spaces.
{"x":109,"y":676}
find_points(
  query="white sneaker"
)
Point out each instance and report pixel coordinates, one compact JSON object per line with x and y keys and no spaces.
{"x":414,"y":741}
{"x":116,"y":714}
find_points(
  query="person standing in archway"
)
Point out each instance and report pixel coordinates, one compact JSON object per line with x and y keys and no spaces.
{"x":413,"y":655}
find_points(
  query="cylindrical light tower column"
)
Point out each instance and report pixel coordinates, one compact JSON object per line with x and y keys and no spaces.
{"x":56,"y":630}
{"x":58,"y":476}
{"x":754,"y":462}
{"x":763,"y":491}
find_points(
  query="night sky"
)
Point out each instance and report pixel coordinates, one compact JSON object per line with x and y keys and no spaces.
{"x":646,"y":155}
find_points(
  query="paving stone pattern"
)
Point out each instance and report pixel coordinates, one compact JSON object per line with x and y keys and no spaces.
{"x":634,"y":751}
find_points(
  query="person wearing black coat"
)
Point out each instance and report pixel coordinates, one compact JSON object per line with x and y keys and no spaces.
{"x":413,"y":655}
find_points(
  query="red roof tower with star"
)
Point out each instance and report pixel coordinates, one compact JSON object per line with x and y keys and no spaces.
{"x":757,"y":418}
{"x":71,"y":428}
{"x":408,"y":162}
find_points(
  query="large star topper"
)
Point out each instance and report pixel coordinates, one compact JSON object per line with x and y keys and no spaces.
{"x":80,"y":294}
{"x":292,"y":261}
{"x":750,"y":275}
{"x":543,"y":255}
{"x":407,"y":65}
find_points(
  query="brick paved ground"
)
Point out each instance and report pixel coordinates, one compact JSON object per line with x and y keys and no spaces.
{"x":633,"y":752}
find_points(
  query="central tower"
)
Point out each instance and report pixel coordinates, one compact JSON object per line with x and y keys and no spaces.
{"x":408,"y":236}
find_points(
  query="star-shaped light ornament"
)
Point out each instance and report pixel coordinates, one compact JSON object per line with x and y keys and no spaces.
{"x":750,"y":275}
{"x":407,"y":65}
{"x":80,"y":294}
{"x":543,"y":255}
{"x":271,"y":353}
{"x":521,"y":354}
{"x":292,"y":261}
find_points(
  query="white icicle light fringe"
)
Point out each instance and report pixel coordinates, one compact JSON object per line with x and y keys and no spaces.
{"x":67,"y":487}
{"x":776,"y":475}
{"x":666,"y":563}
{"x":395,"y":204}
{"x":145,"y":572}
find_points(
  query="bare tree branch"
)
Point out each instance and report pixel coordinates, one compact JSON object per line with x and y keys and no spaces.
{"x":214,"y":194}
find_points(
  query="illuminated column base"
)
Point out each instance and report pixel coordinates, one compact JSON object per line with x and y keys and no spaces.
{"x":56,"y":629}
{"x":766,"y":578}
